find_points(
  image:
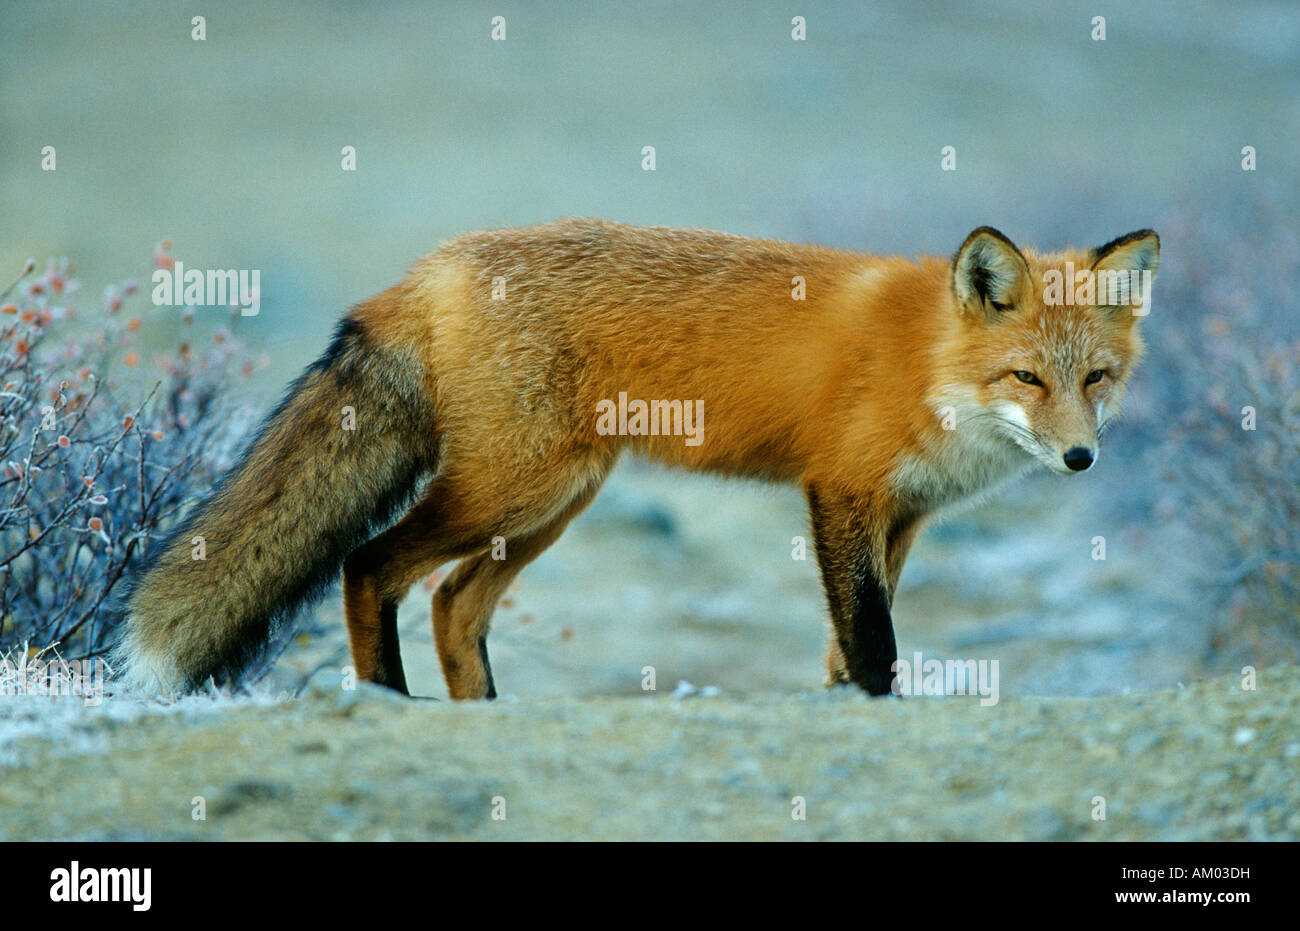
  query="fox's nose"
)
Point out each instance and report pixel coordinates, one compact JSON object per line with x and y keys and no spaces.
{"x":1078,"y":458}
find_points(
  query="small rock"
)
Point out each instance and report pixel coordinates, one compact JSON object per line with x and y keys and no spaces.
{"x":250,"y":792}
{"x":326,"y":682}
{"x":686,"y":690}
{"x":367,"y":693}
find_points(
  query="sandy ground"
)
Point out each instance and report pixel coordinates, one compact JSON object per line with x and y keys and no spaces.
{"x":1208,"y":762}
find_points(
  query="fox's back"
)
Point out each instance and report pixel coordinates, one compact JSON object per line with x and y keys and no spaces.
{"x":596,"y":308}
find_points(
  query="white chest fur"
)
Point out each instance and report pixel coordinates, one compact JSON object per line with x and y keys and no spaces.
{"x":969,"y":459}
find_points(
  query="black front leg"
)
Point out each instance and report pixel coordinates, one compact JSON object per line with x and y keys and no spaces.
{"x":388,"y":670}
{"x":870,"y":651}
{"x":851,"y":540}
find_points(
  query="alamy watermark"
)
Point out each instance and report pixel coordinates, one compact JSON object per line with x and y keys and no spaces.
{"x":176,"y":286}
{"x":923,"y":676}
{"x":52,"y":678}
{"x":77,"y":883}
{"x":1108,"y":287}
{"x":651,"y":418}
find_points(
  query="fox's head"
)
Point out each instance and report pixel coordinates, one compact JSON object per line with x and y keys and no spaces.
{"x":1046,"y":342}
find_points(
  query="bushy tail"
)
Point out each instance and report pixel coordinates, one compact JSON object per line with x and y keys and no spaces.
{"x":316,"y":483}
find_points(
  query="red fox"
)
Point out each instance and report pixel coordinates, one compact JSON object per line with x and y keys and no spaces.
{"x":487,"y":380}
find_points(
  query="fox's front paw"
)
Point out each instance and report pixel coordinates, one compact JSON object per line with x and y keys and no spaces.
{"x":837,"y":670}
{"x":875,"y":676}
{"x":879,"y":684}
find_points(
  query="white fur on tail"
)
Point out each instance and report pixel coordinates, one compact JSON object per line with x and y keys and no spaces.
{"x":140,"y":671}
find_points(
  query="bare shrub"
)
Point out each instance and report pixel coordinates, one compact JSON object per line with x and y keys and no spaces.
{"x":100,"y":450}
{"x":1225,"y":398}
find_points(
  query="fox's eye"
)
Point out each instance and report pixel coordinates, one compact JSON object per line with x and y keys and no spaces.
{"x":1029,"y":378}
{"x":1094,"y":376}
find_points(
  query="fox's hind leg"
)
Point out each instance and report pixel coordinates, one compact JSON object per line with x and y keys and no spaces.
{"x":377,"y":575}
{"x":464,"y":602}
{"x":458,"y":517}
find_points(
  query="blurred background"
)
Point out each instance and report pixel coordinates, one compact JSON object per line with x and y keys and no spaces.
{"x":231,"y":147}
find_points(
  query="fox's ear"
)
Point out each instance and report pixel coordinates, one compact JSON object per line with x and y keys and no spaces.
{"x":989,"y":274}
{"x":1123,"y":265}
{"x":1132,"y":252}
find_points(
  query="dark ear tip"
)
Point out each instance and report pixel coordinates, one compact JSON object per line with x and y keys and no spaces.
{"x":985,"y":231}
{"x":977,"y":233}
{"x":1125,"y":240}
